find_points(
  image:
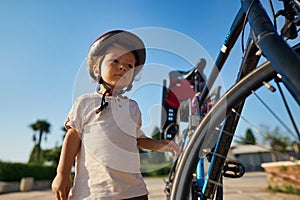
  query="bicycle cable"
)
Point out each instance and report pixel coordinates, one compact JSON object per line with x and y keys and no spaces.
{"x":273,"y":14}
{"x":243,"y":29}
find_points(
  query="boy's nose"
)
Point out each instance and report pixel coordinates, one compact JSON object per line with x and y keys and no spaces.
{"x":122,"y":67}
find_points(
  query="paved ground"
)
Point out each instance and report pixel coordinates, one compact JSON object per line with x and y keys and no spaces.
{"x":252,"y":186}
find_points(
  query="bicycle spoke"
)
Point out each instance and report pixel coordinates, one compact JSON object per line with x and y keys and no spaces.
{"x":258,"y":131}
{"x":288,"y":110}
{"x":247,"y":121}
{"x":275,"y":115}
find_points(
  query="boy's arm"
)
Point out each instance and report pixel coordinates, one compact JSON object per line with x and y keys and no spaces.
{"x":62,"y":182}
{"x":158,"y":145}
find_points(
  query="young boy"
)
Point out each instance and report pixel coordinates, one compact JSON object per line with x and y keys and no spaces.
{"x":104,"y":128}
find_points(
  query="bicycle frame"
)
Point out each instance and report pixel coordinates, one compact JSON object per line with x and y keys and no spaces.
{"x":285,"y":61}
{"x":268,"y":41}
{"x":249,"y":62}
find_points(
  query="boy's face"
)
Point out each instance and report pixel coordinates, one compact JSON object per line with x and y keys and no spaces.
{"x":117,"y":67}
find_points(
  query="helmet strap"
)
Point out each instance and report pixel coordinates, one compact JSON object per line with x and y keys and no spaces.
{"x":109,"y":91}
{"x":104,"y":103}
{"x":129,"y":87}
{"x":102,"y":82}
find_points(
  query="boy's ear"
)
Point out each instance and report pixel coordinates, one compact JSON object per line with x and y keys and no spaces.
{"x":96,"y":70}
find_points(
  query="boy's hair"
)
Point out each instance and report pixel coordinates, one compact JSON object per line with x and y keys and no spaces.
{"x":121,"y":38}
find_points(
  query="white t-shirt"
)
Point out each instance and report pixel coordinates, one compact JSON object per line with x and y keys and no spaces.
{"x":108,"y":163}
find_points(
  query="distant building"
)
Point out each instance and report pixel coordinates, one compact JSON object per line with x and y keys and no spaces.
{"x":252,"y":156}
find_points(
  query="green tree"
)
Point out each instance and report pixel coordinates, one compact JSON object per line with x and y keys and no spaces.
{"x":277,"y":141}
{"x":157,"y":157}
{"x":63,"y":128}
{"x":248,"y":139}
{"x":156,"y":133}
{"x":53,"y":155}
{"x":40,"y":127}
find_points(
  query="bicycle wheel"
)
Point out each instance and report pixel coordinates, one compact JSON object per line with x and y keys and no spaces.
{"x":207,"y":133}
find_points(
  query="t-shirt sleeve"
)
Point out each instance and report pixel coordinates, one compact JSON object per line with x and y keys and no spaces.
{"x":74,"y":119}
{"x":136,"y":115}
{"x":140,"y":133}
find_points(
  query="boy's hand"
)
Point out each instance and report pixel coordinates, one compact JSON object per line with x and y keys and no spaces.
{"x":169,"y":146}
{"x":61,"y":186}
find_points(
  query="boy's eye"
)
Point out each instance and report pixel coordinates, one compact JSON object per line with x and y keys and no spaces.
{"x":115,"y":61}
{"x":130,"y":66}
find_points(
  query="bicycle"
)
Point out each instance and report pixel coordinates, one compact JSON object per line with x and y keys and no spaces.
{"x":212,"y":138}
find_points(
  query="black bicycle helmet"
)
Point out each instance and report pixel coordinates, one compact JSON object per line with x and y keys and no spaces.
{"x":123,"y":38}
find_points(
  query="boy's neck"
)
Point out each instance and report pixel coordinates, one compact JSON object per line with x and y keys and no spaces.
{"x":112,"y":92}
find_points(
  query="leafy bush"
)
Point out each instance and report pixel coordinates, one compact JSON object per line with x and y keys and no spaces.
{"x":16,"y":171}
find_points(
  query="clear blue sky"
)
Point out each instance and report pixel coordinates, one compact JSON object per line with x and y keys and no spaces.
{"x":43,"y":45}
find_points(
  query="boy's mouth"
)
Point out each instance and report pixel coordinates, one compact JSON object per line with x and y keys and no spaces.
{"x":120,"y":75}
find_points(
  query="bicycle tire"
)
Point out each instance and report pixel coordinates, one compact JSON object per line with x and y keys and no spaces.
{"x":238,"y":93}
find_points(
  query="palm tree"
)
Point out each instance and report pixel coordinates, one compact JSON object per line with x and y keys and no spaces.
{"x":63,"y":128}
{"x":42,"y":126}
